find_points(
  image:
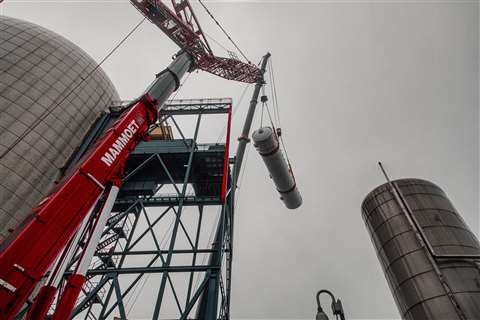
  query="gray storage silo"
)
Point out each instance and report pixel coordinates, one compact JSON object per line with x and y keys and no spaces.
{"x":41,"y":79}
{"x":429,"y":255}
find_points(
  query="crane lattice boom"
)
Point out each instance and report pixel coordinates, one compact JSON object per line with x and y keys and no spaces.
{"x":181,"y":25}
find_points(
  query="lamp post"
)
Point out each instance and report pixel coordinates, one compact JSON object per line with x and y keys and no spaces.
{"x":337,"y":307}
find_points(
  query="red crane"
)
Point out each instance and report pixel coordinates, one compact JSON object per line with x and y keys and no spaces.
{"x":58,"y":216}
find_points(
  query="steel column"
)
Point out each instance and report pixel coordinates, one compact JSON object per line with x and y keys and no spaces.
{"x":161,"y":291}
{"x":244,"y":137}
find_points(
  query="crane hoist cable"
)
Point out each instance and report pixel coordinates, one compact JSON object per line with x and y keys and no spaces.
{"x":271,"y":92}
{"x":264,"y":101}
{"x":235,"y":108}
{"x":216,"y":42}
{"x":224,"y":31}
{"x":273,"y":89}
{"x":82,"y":80}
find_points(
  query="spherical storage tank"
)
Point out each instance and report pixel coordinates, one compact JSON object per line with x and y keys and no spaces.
{"x":430,"y":257}
{"x":42,"y":117}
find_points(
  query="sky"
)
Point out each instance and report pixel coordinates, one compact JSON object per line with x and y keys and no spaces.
{"x":358,"y":82}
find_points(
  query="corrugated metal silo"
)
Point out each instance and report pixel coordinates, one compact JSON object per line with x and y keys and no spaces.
{"x":41,"y":79}
{"x":428,"y":254}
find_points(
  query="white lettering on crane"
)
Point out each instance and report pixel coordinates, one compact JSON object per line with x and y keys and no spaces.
{"x":117,"y":147}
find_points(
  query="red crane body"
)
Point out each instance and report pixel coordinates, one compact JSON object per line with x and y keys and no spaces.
{"x":56,"y":218}
{"x":28,"y":257}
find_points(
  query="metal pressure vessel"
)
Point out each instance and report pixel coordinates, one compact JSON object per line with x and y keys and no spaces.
{"x":429,"y":255}
{"x":267,"y":144}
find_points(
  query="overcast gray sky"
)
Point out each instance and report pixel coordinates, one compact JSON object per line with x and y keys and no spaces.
{"x":358,"y":82}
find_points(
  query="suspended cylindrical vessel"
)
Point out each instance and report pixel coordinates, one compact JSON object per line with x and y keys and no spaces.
{"x":429,"y":255}
{"x":267,"y":144}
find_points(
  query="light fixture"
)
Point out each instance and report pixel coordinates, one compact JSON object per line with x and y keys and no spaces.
{"x":337,"y":307}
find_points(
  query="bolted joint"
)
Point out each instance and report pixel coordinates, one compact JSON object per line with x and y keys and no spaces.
{"x":244,"y":138}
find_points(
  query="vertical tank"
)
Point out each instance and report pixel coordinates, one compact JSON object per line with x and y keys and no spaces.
{"x":428,"y":253}
{"x":45,"y":110}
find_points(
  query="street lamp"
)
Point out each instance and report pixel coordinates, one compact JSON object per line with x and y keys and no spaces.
{"x":337,"y":307}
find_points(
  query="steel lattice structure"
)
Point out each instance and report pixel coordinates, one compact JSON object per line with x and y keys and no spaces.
{"x":154,"y":232}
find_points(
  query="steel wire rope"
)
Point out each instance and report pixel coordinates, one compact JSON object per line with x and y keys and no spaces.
{"x":263,"y":111}
{"x":216,"y":42}
{"x":271,"y":93}
{"x":224,"y":31}
{"x":235,"y":109}
{"x":83,"y":79}
{"x":265,"y":106}
{"x":273,"y":89}
{"x":271,"y":120}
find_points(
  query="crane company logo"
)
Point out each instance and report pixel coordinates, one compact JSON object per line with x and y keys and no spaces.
{"x":117,"y":147}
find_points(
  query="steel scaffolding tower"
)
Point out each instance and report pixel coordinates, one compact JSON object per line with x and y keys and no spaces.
{"x":174,"y":194}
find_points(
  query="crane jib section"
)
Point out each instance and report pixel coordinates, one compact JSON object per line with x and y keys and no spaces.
{"x":25,"y":261}
{"x":182,"y":28}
